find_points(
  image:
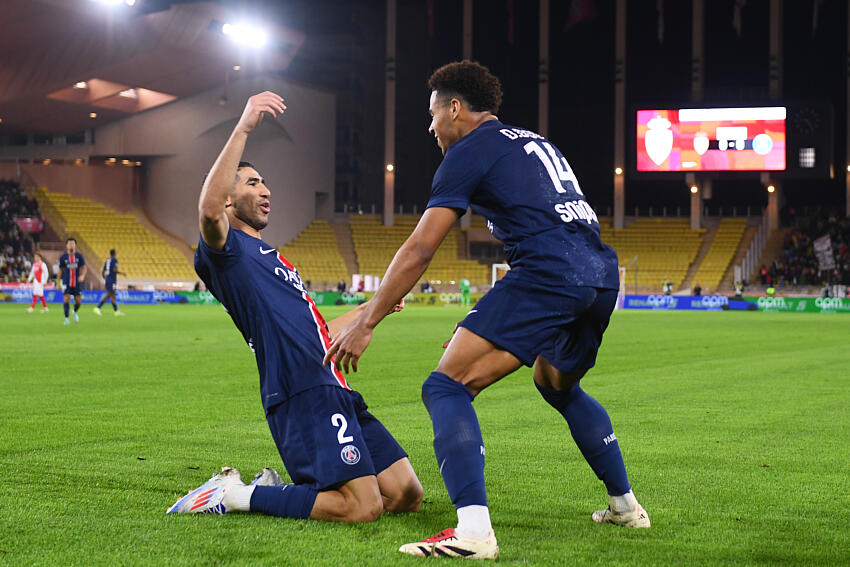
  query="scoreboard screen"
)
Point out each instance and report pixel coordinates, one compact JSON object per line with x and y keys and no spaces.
{"x":711,"y":139}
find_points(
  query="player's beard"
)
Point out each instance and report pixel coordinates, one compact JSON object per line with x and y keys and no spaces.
{"x":248,"y":214}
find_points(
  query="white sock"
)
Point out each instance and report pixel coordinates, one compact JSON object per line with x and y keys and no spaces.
{"x":625,"y":503}
{"x":238,"y":498}
{"x":473,"y":522}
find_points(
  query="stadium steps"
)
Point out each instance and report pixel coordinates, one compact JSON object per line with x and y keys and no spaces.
{"x":772,"y":250}
{"x":181,"y":245}
{"x":727,"y":284}
{"x":315,"y":253}
{"x":727,"y":238}
{"x":705,"y":246}
{"x":345,"y":244}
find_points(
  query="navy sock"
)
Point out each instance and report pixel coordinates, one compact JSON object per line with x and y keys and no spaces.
{"x":99,"y":305}
{"x":284,"y":501}
{"x":114,"y":306}
{"x":65,"y":307}
{"x":591,"y":429}
{"x":457,"y":439}
{"x":76,"y":307}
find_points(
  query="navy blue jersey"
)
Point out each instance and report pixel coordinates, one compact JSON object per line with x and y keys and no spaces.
{"x":110,"y":270}
{"x":70,"y":264}
{"x":532,"y":201}
{"x":265,"y":297}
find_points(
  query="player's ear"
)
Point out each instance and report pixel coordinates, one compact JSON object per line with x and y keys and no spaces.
{"x":228,"y":202}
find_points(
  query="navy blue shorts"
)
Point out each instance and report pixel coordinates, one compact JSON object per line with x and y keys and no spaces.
{"x":110,"y":286}
{"x":563,"y":325}
{"x":72,"y":290}
{"x":326,"y":437}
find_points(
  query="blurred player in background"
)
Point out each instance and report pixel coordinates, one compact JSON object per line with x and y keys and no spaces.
{"x":465,"y":292}
{"x":38,"y":276}
{"x":344,"y":464}
{"x":72,"y":273}
{"x":549,"y":311}
{"x":110,"y":277}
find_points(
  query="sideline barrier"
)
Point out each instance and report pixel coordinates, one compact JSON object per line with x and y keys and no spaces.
{"x":690,"y":303}
{"x":801,"y":304}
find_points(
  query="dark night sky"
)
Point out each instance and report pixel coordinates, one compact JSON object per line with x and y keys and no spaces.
{"x":345,"y":52}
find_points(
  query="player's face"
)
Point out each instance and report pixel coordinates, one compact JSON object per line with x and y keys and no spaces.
{"x":71,"y":247}
{"x":250,"y":200}
{"x":442,"y":125}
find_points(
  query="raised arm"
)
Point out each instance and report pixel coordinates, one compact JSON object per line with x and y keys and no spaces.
{"x":408,"y":265}
{"x":221,"y":178}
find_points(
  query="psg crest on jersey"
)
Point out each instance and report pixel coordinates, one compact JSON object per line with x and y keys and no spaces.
{"x":350,"y":455}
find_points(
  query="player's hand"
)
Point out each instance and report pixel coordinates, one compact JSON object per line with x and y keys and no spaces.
{"x":457,"y":326}
{"x":264,"y":103}
{"x":397,"y":307}
{"x":348,"y":346}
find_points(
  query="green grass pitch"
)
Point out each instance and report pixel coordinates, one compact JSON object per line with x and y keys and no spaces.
{"x":734,"y":428}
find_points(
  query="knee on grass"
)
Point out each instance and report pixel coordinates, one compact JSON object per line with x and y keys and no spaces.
{"x":404,"y":498}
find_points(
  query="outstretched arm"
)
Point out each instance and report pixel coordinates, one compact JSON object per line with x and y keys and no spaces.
{"x":338,"y":324}
{"x":221,"y":178}
{"x":404,"y":271}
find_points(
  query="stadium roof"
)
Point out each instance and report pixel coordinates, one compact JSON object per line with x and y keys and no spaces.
{"x":130,"y":59}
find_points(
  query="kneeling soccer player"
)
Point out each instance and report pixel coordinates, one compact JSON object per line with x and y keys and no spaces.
{"x":345,"y":466}
{"x":549,"y":311}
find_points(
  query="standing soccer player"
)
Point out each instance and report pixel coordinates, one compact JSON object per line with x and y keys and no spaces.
{"x":38,"y":276}
{"x":549,"y":311}
{"x":344,"y":464}
{"x":110,"y":277}
{"x":72,"y":273}
{"x":465,"y":292}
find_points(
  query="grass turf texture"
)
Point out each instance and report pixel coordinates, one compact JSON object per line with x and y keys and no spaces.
{"x":733,"y":425}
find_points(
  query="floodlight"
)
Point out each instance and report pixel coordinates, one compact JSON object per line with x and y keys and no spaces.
{"x":92,"y":114}
{"x":245,"y":34}
{"x":618,"y":170}
{"x":81,"y":85}
{"x":390,"y":167}
{"x":129,"y":93}
{"x":771,"y":188}
{"x":694,"y":188}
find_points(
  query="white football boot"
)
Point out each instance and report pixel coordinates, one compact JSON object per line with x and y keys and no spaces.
{"x":268,"y":477}
{"x":97,"y":311}
{"x":448,"y":544}
{"x":623,"y":511}
{"x":207,"y":498}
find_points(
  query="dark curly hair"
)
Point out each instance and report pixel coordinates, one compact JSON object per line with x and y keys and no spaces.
{"x":470,"y":81}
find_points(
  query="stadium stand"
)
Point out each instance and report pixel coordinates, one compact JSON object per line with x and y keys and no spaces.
{"x":376,"y":244}
{"x":797,"y":264}
{"x":654,"y":249}
{"x":722,"y":250}
{"x":16,"y":246}
{"x":315,"y":252}
{"x":142,"y":254}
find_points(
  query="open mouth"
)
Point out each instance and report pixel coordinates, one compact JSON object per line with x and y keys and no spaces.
{"x":266,"y":208}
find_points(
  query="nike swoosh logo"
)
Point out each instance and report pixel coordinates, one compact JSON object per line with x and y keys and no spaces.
{"x":472,"y":311}
{"x":269,"y":251}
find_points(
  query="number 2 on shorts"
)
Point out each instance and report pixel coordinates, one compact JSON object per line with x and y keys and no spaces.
{"x":338,"y":420}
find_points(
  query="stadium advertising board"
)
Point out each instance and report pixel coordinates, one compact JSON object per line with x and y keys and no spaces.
{"x":711,"y":139}
{"x":801,"y":304}
{"x":691,"y":303}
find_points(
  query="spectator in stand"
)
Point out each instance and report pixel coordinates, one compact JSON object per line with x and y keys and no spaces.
{"x":340,"y":286}
{"x":763,"y":274}
{"x":697,"y":290}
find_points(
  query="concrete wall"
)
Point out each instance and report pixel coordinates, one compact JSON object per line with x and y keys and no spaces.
{"x":179,"y":142}
{"x":112,"y":186}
